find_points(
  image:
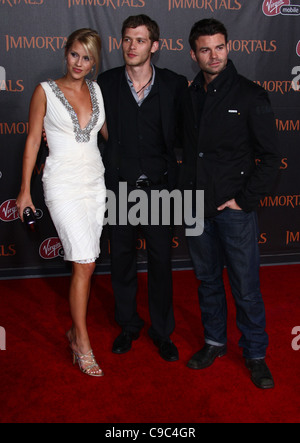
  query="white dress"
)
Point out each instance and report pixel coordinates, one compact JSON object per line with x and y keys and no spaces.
{"x":73,"y":177}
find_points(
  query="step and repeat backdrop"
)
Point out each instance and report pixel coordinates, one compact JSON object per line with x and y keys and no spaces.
{"x":265,"y":46}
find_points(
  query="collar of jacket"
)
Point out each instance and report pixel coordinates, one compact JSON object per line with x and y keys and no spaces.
{"x":224,"y":79}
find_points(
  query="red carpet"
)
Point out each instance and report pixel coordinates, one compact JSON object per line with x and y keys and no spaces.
{"x":39,"y":383}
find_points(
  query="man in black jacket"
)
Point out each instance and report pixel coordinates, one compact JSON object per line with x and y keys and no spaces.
{"x":142,"y":109}
{"x":231,"y":153}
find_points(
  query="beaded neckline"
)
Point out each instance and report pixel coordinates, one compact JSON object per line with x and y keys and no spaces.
{"x":81,"y":135}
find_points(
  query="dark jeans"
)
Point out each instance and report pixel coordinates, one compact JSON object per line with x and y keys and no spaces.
{"x":231,"y":238}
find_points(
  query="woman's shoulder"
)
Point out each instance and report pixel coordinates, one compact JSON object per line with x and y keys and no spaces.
{"x":40,"y":89}
{"x":48,"y":82}
{"x":46,"y":85}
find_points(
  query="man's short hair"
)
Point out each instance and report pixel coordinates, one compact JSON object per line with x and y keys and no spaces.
{"x":142,"y":20}
{"x":204,"y":27}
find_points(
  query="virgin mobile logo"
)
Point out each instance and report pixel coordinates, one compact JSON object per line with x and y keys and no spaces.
{"x":283,"y":7}
{"x":51,"y":248}
{"x":9,"y":211}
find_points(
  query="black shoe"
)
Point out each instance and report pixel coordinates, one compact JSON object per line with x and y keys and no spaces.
{"x":260,"y":374}
{"x":167,"y":350}
{"x":206,"y":356}
{"x":123,"y":343}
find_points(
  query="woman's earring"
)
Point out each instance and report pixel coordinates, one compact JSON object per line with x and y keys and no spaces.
{"x":92,"y":72}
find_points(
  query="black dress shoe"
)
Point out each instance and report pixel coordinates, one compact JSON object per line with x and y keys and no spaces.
{"x":167,"y":350}
{"x":123,"y":343}
{"x":206,"y":356}
{"x":260,"y":374}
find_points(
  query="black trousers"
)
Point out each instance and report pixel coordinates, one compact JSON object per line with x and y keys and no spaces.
{"x":123,"y":243}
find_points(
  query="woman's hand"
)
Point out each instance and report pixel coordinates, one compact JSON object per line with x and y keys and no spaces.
{"x":24,"y":201}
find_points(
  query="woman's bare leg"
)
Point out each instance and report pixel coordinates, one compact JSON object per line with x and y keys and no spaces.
{"x":79,"y":297}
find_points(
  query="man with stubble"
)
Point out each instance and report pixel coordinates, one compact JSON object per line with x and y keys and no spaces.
{"x":230,"y":152}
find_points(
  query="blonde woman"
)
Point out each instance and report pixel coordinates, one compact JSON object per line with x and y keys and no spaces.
{"x":72,"y":112}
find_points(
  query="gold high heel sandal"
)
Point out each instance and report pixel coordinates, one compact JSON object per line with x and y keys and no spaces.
{"x":87,"y":364}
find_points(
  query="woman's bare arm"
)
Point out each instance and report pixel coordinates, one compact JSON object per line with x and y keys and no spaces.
{"x":37,"y":113}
